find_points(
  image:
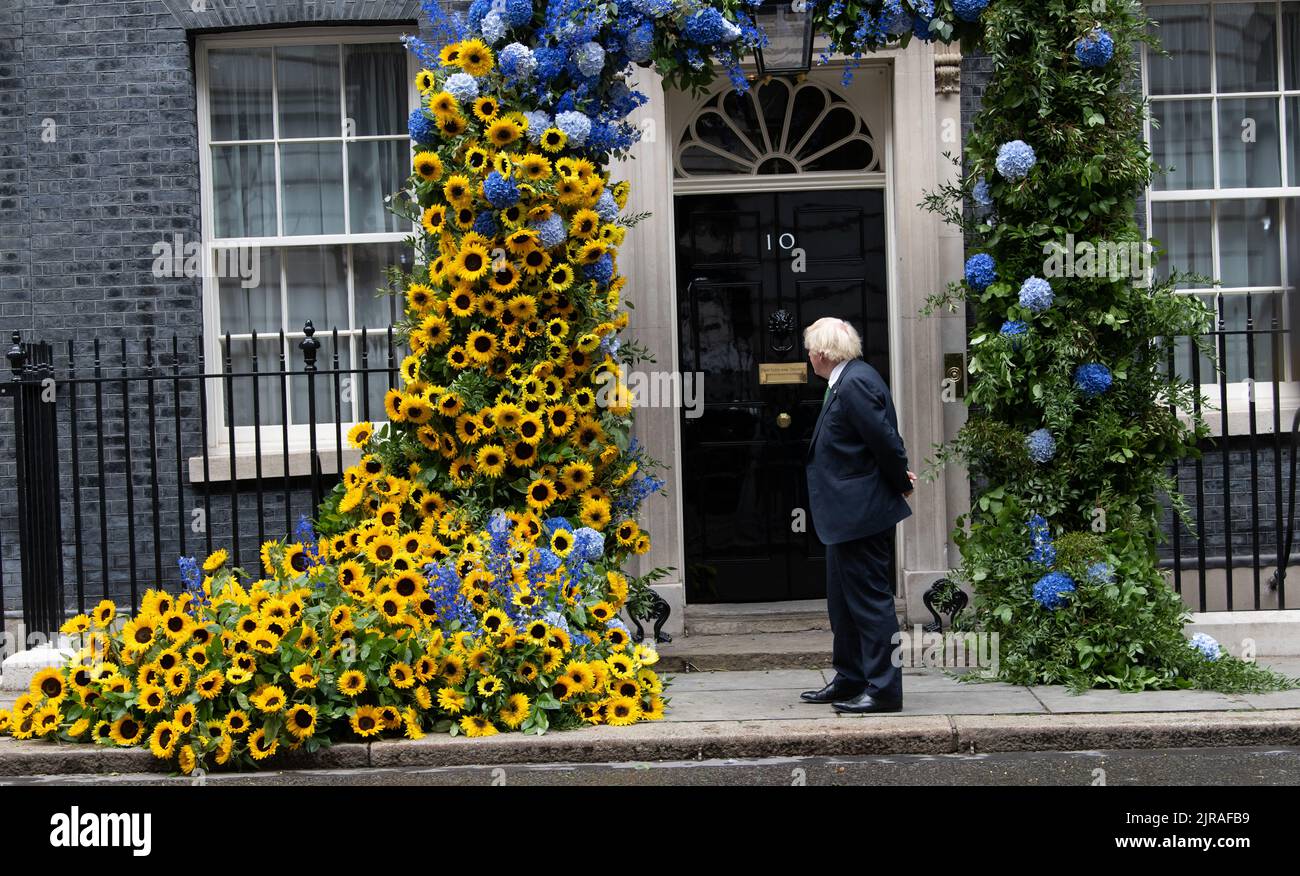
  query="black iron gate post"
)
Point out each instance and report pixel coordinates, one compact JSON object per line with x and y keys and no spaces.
{"x":40,"y":532}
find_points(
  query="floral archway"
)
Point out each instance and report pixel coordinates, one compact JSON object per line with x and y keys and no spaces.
{"x":465,"y":576}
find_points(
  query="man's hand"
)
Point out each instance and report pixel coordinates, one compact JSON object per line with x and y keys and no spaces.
{"x":911,"y":476}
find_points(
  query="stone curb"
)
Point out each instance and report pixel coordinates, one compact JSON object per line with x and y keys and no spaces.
{"x":843,"y":737}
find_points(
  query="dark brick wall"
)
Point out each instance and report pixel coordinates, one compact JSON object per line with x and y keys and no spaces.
{"x":84,"y":197}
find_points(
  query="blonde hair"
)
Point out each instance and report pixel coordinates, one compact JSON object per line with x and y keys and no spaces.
{"x":833,"y":338}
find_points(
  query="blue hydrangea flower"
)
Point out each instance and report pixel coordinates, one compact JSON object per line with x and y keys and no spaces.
{"x":921,"y":28}
{"x":1207,"y":645}
{"x":485,"y":224}
{"x":518,"y":12}
{"x":551,"y":232}
{"x":896,"y":17}
{"x":1053,"y":589}
{"x":981,"y":194}
{"x":969,"y":10}
{"x":640,"y":43}
{"x":1036,"y":295}
{"x":1015,"y":160}
{"x":709,"y":27}
{"x":1096,"y":49}
{"x":1042,"y":551}
{"x":538,"y":121}
{"x":500,"y":191}
{"x":607,"y":207}
{"x":1013,"y":327}
{"x":590,"y":58}
{"x":1092,"y":379}
{"x":546,"y":561}
{"x":1041,"y":445}
{"x":462,"y":86}
{"x":924,"y":7}
{"x":421,"y":128}
{"x":477,"y":10}
{"x":575,"y":126}
{"x":588,"y":543}
{"x":981,"y":271}
{"x":1101,"y":573}
{"x":493,"y":28}
{"x":654,"y":8}
{"x":517,"y":62}
{"x":601,"y":271}
{"x":550,"y":62}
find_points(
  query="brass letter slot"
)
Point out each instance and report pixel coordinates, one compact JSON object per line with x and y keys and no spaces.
{"x":782,"y":372}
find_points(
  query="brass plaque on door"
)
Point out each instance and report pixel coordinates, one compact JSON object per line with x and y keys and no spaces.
{"x":782,"y":372}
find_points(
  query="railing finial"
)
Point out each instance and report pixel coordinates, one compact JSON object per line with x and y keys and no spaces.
{"x":309,"y":345}
{"x":17,"y":355}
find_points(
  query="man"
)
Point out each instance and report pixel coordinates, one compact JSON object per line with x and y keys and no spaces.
{"x":858,"y":484}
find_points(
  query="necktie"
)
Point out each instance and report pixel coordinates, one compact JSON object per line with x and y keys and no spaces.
{"x":826,"y":395}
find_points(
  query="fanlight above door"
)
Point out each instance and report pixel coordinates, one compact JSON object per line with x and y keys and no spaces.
{"x":777,"y":127}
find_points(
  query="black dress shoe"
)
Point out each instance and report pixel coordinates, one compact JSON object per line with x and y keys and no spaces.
{"x":865,"y":704}
{"x":836,"y":690}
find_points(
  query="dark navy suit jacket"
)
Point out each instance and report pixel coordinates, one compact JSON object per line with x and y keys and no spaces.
{"x":857,"y":464}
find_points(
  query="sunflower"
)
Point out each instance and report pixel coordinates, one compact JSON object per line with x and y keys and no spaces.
{"x":553,"y":139}
{"x":491,"y":460}
{"x":382,"y":549}
{"x":490,"y":686}
{"x":45,"y":720}
{"x":301,"y":720}
{"x":451,"y":700}
{"x":215,"y":560}
{"x":138,"y":634}
{"x":475,"y":58}
{"x":401,"y":675}
{"x":486,"y":108}
{"x":49,"y":683}
{"x":534,"y":167}
{"x":503,"y":132}
{"x":434,"y":219}
{"x":449,"y":56}
{"x":504,"y":278}
{"x":76,"y":625}
{"x":427,"y":166}
{"x":424,"y":80}
{"x":452,"y":125}
{"x":295,"y":560}
{"x":237,"y":722}
{"x":595,"y":514}
{"x":581,"y":675}
{"x":352,"y":683}
{"x":477,"y":725}
{"x":209,"y":685}
{"x":560,"y":278}
{"x":258,"y":746}
{"x":162,"y":742}
{"x":269,"y":698}
{"x":563,"y":688}
{"x":620,"y":665}
{"x":178,"y":680}
{"x":622,"y":711}
{"x":471,"y":263}
{"x":515,"y":711}
{"x":126,"y":730}
{"x":104,"y":613}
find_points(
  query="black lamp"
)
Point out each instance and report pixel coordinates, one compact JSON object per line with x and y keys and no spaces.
{"x":788,"y":25}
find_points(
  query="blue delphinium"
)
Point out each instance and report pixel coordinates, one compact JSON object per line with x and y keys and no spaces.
{"x":1036,"y":295}
{"x":575,"y":126}
{"x":981,"y":271}
{"x":896,"y":17}
{"x":517,"y":62}
{"x":500,"y":191}
{"x":1092,"y":379}
{"x":305,"y":535}
{"x":1207,"y":645}
{"x":1041,"y":445}
{"x":1100,"y":573}
{"x":590,"y":58}
{"x":969,"y":10}
{"x":1042,"y":550}
{"x":551,"y":232}
{"x":1053,"y":589}
{"x":980,"y":194}
{"x":1096,"y":49}
{"x":421,"y":128}
{"x":1015,"y":160}
{"x":462,"y":86}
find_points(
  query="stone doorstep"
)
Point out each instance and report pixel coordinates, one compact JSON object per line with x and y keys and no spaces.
{"x":851,"y":736}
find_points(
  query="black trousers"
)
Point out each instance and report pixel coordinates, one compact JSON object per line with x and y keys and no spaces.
{"x":859,"y":595}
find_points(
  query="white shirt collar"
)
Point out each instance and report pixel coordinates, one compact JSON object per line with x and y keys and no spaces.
{"x":835,"y":373}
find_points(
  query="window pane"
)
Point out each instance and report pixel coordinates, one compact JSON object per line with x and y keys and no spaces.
{"x":1249,"y":249}
{"x":1236,"y":348}
{"x":312,"y":176}
{"x":376,"y":169}
{"x":1249,"y":147}
{"x":239,"y":94}
{"x":316,"y":285}
{"x":1293,"y":140}
{"x":377,"y":90}
{"x":1184,"y":227}
{"x":369,"y":263}
{"x":1182,"y":139}
{"x":243,"y":191}
{"x":241,"y":390}
{"x":1291,"y":44}
{"x":1182,"y":32}
{"x":1245,"y":46}
{"x":253,"y":304}
{"x":299,"y":401}
{"x":308,"y":80}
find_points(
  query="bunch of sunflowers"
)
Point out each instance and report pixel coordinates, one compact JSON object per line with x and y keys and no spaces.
{"x":464,"y":576}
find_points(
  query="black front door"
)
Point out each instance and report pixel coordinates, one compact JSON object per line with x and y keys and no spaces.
{"x":753,"y":270}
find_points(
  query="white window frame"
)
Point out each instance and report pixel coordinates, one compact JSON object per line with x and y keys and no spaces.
{"x":1239,"y":395}
{"x":272,"y":440}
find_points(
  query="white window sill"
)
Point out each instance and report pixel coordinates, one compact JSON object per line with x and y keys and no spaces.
{"x":273,"y":459}
{"x":1239,"y":419}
